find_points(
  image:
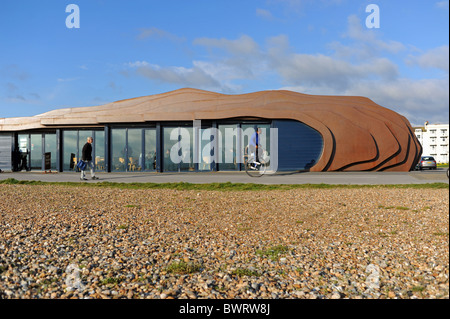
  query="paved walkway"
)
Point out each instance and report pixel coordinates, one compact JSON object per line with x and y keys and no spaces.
{"x":360,"y":178}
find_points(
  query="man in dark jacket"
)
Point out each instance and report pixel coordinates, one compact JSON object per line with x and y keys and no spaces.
{"x":86,"y":156}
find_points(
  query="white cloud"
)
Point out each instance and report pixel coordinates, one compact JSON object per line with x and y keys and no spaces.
{"x":442,"y":4}
{"x":147,"y":33}
{"x":137,"y":64}
{"x":417,"y":100}
{"x":265,"y":14}
{"x":358,"y":67}
{"x":244,"y":45}
{"x":60,"y":80}
{"x":321,"y":70}
{"x":435,"y":58}
{"x":366,"y":41}
{"x":189,"y":77}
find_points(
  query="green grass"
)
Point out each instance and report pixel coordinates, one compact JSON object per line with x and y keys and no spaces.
{"x":112,"y":281}
{"x":183,"y":268}
{"x":222,"y":186}
{"x":272,"y":252}
{"x":440,"y":234}
{"x":385,"y":207}
{"x":418,"y":289}
{"x":396,"y":207}
{"x":240,"y":272}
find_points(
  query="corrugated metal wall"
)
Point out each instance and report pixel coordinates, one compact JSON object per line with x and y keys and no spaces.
{"x":6,"y":141}
{"x":299,"y":146}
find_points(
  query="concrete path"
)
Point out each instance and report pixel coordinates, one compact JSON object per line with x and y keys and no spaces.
{"x":359,"y":178}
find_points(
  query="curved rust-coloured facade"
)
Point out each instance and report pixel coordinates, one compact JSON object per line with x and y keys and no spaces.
{"x":358,"y":134}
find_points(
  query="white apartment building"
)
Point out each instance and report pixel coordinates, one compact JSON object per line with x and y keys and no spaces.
{"x":434,"y":140}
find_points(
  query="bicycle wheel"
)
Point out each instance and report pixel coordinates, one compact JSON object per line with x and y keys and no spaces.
{"x":255,"y":170}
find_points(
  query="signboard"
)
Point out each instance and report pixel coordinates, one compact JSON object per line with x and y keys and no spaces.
{"x":48,"y":161}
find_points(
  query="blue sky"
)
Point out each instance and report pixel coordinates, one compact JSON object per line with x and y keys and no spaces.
{"x":126,"y":49}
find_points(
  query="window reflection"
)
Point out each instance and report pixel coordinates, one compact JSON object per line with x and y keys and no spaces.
{"x":73,"y":142}
{"x":119,"y":151}
{"x":24,"y":152}
{"x":70,"y":150}
{"x":178,"y":149}
{"x":99,"y":150}
{"x":168,"y":165}
{"x":134,"y":149}
{"x":36,"y":151}
{"x":134,"y":155}
{"x":228,"y":145}
{"x":187,"y":149}
{"x":150,"y":149}
{"x":206,"y":149}
{"x":50,"y":147}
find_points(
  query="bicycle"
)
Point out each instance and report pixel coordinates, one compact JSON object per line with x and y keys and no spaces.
{"x":253,"y":168}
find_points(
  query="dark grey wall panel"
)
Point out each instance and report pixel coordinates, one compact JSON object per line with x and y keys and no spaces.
{"x":5,"y":151}
{"x":299,"y":145}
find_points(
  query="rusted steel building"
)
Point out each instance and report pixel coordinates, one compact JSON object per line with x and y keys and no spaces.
{"x":314,"y":133}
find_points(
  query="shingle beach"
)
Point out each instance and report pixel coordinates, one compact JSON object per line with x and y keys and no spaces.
{"x":78,"y":242}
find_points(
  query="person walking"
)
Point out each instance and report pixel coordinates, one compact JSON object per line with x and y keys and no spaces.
{"x":86,"y":156}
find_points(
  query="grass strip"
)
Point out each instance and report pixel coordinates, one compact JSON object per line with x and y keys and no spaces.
{"x":228,"y":186}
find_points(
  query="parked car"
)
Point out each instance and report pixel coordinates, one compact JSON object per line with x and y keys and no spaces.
{"x":426,"y":162}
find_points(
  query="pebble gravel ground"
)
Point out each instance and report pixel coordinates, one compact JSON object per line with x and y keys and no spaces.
{"x":79,"y":242}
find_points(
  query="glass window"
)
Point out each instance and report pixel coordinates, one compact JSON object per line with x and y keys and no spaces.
{"x":24,"y":150}
{"x":134,"y":155}
{"x":187,"y":149}
{"x":150,"y":149}
{"x":50,"y":146}
{"x":118,"y":151}
{"x":178,"y":149}
{"x":228,"y":146}
{"x":99,"y":150}
{"x":170,"y":138}
{"x":70,"y":150}
{"x":36,"y":151}
{"x":205,"y":149}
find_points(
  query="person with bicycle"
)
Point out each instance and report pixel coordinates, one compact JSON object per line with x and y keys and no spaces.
{"x":254,"y":146}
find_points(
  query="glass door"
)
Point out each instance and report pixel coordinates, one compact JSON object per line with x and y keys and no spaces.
{"x":36,"y":151}
{"x":178,"y":149}
{"x":119,"y":150}
{"x":50,"y":147}
{"x":135,"y":159}
{"x":70,"y":150}
{"x":24,"y":151}
{"x":228,"y":146}
{"x":150,"y":149}
{"x":206,"y":149}
{"x":99,"y":150}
